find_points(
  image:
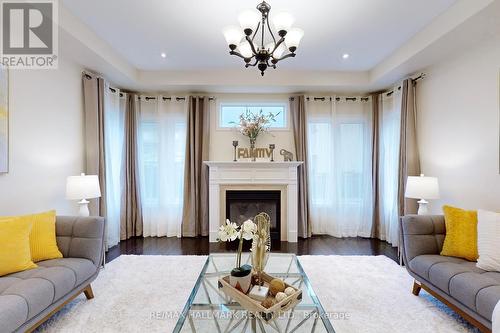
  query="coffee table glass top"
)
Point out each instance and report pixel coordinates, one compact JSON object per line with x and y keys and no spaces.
{"x":208,"y":309}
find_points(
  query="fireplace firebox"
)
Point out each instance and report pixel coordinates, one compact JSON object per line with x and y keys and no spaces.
{"x":245,"y":204}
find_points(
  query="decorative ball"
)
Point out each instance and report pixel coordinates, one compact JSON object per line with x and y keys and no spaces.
{"x":280,"y":296}
{"x":276,"y":286}
{"x":289,"y":291}
{"x":268,"y":302}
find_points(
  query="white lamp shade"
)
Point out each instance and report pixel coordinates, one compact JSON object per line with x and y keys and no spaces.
{"x":283,"y":21}
{"x":421,"y":187}
{"x":245,"y":49}
{"x":233,"y":35}
{"x":279,"y":50}
{"x":293,"y":37}
{"x":249,"y":19}
{"x":82,"y":187}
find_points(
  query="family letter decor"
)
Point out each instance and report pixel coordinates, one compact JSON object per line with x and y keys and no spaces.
{"x":254,"y":152}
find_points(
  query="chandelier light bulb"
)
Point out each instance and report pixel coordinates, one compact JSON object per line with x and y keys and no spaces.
{"x":233,"y":35}
{"x":249,"y":19}
{"x":283,"y":22}
{"x":279,"y":51}
{"x":245,"y":49}
{"x":293,"y":38}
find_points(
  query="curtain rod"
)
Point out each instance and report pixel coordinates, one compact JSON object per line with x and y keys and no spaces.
{"x":421,"y":76}
{"x":353,"y":99}
{"x":89,"y":76}
{"x":148,"y":98}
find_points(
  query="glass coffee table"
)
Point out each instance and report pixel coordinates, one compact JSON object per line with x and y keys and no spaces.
{"x":208,"y":309}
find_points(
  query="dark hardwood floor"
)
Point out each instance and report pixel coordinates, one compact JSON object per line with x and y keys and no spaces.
{"x":316,"y":245}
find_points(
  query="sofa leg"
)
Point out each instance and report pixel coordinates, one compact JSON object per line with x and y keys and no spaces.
{"x":88,"y":292}
{"x":416,"y":288}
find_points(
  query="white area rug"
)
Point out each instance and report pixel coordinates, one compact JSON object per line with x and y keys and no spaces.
{"x":374,"y":292}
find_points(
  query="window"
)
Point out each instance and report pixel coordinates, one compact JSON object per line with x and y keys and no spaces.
{"x":229,"y":113}
{"x":150,"y":159}
{"x":351,"y":151}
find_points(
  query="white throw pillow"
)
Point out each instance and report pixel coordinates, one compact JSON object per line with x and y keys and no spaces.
{"x":488,"y":240}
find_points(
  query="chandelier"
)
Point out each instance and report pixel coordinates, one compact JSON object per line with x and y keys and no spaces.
{"x":264,"y":51}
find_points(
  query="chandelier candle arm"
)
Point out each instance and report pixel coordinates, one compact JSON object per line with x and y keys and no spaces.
{"x":265,"y":55}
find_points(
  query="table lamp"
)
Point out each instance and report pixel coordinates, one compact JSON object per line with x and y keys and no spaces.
{"x":81,"y":188}
{"x":421,"y":187}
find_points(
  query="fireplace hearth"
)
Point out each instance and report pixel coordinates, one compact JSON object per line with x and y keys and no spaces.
{"x":242,"y":205}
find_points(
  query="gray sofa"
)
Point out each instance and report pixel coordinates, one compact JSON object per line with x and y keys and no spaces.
{"x":30,"y":297}
{"x":470,"y":291}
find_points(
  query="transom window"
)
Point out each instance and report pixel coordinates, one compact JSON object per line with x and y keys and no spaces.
{"x":229,"y":113}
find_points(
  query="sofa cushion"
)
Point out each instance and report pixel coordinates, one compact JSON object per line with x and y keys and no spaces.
{"x":423,"y":263}
{"x":441,"y":273}
{"x":466,"y":288}
{"x":487,"y":299}
{"x":13,"y":312}
{"x":38,"y":288}
{"x":475,"y":288}
{"x":81,"y":268}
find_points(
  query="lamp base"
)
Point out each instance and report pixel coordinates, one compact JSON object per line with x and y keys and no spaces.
{"x":422,"y":207}
{"x":84,"y":208}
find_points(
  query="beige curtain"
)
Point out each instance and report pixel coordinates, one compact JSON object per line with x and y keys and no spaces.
{"x":93,"y":98}
{"x":299,"y":125}
{"x":409,"y":160}
{"x":131,"y":211}
{"x":195,"y":211}
{"x":376,"y":227}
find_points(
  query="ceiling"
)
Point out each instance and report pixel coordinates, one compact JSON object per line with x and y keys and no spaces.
{"x":189,"y":31}
{"x":387,"y":40}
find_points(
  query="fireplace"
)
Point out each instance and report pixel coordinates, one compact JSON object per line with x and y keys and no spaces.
{"x":242,"y":205}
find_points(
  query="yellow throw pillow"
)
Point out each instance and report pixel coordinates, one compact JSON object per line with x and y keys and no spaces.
{"x":15,"y":253}
{"x":43,"y":241}
{"x":461,"y":233}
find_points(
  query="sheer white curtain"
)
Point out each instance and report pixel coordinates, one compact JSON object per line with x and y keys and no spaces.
{"x":162,"y":147}
{"x":390,"y":123}
{"x":114,"y":122}
{"x":340,"y":178}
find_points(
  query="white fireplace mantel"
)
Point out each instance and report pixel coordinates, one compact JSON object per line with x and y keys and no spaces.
{"x":260,"y":176}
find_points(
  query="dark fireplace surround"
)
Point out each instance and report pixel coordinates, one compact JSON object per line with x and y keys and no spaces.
{"x":242,"y":205}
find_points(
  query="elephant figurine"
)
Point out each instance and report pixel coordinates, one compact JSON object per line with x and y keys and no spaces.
{"x":287,"y":156}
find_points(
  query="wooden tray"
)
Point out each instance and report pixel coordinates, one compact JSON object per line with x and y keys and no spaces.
{"x":254,"y":306}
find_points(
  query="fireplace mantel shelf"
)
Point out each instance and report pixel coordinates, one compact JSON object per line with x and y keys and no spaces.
{"x":259,"y":175}
{"x":249,"y":164}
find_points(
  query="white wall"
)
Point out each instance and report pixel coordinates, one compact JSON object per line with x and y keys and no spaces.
{"x":458,"y":105}
{"x":46,"y":139}
{"x":221,"y":148}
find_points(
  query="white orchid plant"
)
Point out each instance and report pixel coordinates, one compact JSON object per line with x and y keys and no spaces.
{"x":231,"y":231}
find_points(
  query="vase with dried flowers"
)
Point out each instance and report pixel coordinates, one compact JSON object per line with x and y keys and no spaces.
{"x":251,"y":124}
{"x":241,"y":275}
{"x":261,"y":245}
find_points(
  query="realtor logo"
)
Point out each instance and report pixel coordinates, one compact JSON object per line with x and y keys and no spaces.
{"x":29,"y":34}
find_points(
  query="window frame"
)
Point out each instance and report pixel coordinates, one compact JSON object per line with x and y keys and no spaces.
{"x":281,"y":103}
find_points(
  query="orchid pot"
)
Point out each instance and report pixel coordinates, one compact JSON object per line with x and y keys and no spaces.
{"x":241,"y":275}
